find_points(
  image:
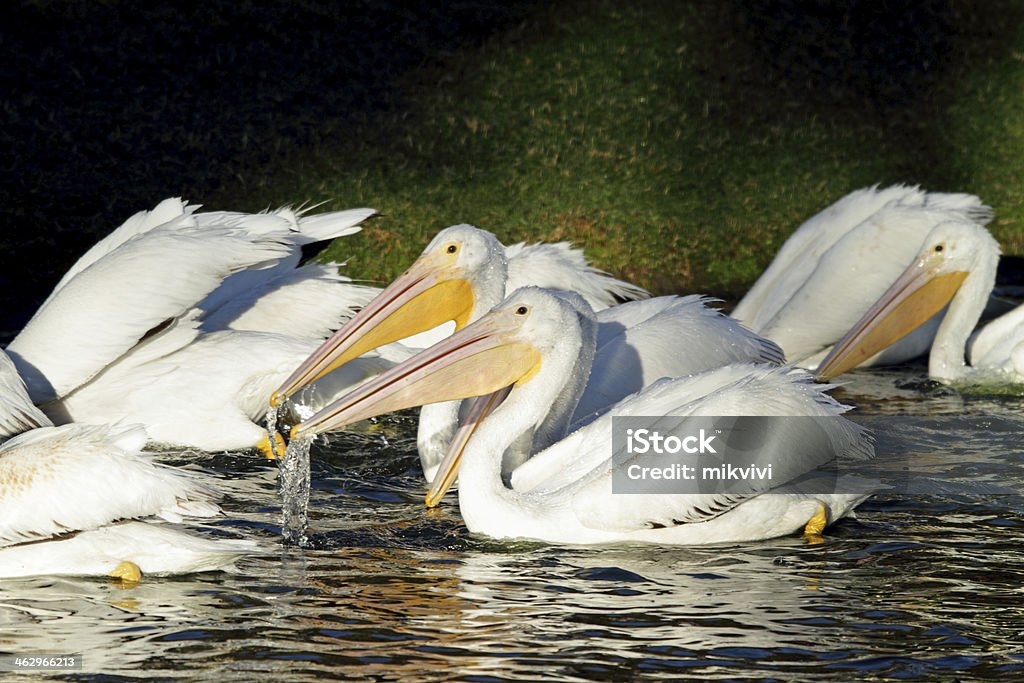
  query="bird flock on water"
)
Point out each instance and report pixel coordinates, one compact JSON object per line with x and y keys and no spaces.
{"x":182,"y":327}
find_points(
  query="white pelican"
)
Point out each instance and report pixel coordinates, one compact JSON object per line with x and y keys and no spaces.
{"x":836,"y":264}
{"x":183,"y":321}
{"x":64,"y":490}
{"x":954,"y":270}
{"x":462,"y":274}
{"x":534,"y":342}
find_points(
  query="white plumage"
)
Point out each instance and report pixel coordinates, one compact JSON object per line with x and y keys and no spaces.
{"x":17,"y":414}
{"x":641,"y":341}
{"x":997,"y":349}
{"x":77,"y":477}
{"x":61,"y":488}
{"x":828,"y":273}
{"x":178,"y":318}
{"x":559,"y":266}
{"x":154,"y":548}
{"x":98,"y":315}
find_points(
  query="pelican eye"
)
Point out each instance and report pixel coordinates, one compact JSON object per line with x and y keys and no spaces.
{"x":452,"y":248}
{"x":522,"y":310}
{"x":938,"y":248}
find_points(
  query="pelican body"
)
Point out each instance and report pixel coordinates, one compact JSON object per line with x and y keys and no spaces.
{"x":533,"y":344}
{"x":831,"y":270}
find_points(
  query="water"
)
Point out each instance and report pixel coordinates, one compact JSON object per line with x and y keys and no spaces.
{"x":919,"y":587}
{"x":271,"y":420}
{"x":293,"y":486}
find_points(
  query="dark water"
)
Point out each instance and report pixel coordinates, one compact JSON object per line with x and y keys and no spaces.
{"x":927,"y":586}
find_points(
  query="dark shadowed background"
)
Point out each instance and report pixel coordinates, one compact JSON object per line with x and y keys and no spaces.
{"x":111,"y":106}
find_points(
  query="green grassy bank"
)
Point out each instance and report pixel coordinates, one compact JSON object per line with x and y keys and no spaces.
{"x":679,"y":142}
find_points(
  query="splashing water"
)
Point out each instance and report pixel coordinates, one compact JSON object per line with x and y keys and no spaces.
{"x":273,"y":412}
{"x":294,"y":480}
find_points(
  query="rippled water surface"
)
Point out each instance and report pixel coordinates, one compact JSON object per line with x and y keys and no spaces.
{"x":929,"y":585}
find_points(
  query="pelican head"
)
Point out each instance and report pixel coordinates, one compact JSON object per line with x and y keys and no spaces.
{"x":952,"y":252}
{"x":459,"y":276}
{"x":504,"y":348}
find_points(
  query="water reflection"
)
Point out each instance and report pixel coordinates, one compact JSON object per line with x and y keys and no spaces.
{"x":917,"y":586}
{"x":116,"y":629}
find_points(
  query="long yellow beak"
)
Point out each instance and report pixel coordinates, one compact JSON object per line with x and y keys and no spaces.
{"x":422,"y":298}
{"x":915,"y":296}
{"x":448,"y":470}
{"x":478,"y":360}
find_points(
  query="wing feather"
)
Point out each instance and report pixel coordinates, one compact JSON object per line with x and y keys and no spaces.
{"x":110,"y":305}
{"x":169,"y":214}
{"x":17,"y":413}
{"x":801,"y":446}
{"x":76,"y":477}
{"x":309,"y":302}
{"x":642,"y":341}
{"x":560,"y":266}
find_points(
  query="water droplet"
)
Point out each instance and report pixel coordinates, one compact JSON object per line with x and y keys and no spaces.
{"x":271,"y":420}
{"x":293,"y":486}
